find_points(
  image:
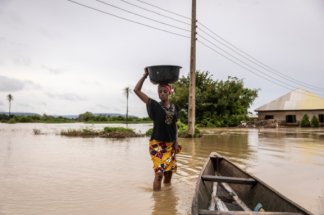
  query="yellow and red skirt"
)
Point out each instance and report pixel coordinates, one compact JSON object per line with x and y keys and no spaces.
{"x":163,"y":156}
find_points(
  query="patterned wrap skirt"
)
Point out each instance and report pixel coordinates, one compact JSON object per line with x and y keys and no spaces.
{"x":163,"y":156}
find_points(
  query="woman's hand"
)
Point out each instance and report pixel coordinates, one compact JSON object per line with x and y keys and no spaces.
{"x":177,"y":148}
{"x":146,"y":73}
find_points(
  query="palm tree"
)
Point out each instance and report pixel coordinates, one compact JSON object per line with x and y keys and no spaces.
{"x":10,"y":98}
{"x":127,"y":91}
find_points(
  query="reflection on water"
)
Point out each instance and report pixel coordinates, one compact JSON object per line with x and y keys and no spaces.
{"x":165,"y":201}
{"x":51,"y":174}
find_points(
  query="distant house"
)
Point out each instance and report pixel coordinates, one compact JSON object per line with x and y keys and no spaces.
{"x":289,"y":109}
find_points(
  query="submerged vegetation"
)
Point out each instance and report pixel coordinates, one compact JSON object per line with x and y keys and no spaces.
{"x":109,"y":132}
{"x":37,"y":131}
{"x":117,"y":132}
{"x":306,"y":122}
{"x":183,"y":130}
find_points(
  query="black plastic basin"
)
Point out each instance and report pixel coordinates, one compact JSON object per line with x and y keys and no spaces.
{"x":163,"y":74}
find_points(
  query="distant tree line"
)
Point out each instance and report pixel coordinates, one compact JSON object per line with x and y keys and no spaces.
{"x":90,"y":117}
{"x":87,"y":117}
{"x":33,"y":118}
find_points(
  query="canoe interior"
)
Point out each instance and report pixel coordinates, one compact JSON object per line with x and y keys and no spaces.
{"x":250,"y":194}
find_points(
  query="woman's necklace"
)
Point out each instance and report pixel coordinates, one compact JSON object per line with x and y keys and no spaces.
{"x":169,"y":112}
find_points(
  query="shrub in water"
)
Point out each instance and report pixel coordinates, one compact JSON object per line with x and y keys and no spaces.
{"x":111,"y":132}
{"x":12,"y":121}
{"x":183,"y":130}
{"x":149,"y":132}
{"x":314,"y":122}
{"x":36,"y":131}
{"x":305,"y":121}
{"x":118,"y":129}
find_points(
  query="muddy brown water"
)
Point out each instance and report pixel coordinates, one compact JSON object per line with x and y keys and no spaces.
{"x":51,"y":174}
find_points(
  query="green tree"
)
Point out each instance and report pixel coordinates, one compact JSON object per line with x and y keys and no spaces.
{"x":218,"y":103}
{"x":314,"y":122}
{"x":205,"y":86}
{"x":10,"y":98}
{"x":85,"y":117}
{"x":305,"y":121}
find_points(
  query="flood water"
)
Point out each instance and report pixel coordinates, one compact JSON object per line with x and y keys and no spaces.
{"x":53,"y":175}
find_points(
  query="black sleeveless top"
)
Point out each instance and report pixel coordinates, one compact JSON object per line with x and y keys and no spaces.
{"x":164,"y":121}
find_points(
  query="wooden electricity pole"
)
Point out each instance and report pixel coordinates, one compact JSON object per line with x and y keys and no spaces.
{"x":192,"y":82}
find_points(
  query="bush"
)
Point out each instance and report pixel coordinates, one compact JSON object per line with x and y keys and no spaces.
{"x":85,"y":132}
{"x":305,"y":121}
{"x":118,"y":129}
{"x":235,"y":120}
{"x":149,"y":132}
{"x":111,"y":132}
{"x":24,"y":119}
{"x":37,"y":131}
{"x":4,"y":117}
{"x":12,"y":121}
{"x":314,"y":122}
{"x":183,"y":130}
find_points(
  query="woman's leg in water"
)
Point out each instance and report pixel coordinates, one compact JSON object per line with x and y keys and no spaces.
{"x":157,"y":181}
{"x":167,"y":177}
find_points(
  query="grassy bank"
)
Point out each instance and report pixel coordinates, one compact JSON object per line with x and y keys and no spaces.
{"x":107,"y":132}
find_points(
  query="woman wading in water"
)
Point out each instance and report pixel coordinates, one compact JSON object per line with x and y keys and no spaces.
{"x":163,"y":143}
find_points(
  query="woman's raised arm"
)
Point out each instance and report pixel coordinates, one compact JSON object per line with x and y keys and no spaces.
{"x":138,"y":88}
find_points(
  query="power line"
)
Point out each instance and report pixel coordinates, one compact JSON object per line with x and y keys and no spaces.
{"x":244,"y":67}
{"x":253,"y":61}
{"x":154,"y":20}
{"x":240,"y":65}
{"x":129,"y":20}
{"x":256,"y":61}
{"x":242,"y":62}
{"x":225,"y":43}
{"x":169,"y":17}
{"x":171,"y":12}
{"x":244,"y":54}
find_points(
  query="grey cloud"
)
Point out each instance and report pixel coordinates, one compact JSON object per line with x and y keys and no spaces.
{"x":1,"y":103}
{"x":10,"y":84}
{"x":31,"y":85}
{"x":22,"y":61}
{"x":3,"y":4}
{"x":43,"y":104}
{"x":46,"y":33}
{"x":10,"y":43}
{"x":66,"y":96}
{"x":55,"y":71}
{"x":13,"y":85}
{"x":91,"y":83}
{"x":103,"y":106}
{"x":25,"y":105}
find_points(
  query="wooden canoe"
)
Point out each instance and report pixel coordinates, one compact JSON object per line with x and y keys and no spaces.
{"x":224,"y":188}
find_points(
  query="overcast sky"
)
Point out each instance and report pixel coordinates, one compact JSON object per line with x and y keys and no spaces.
{"x":57,"y":57}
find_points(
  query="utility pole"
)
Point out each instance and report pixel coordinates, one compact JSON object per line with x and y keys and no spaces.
{"x":192,"y":82}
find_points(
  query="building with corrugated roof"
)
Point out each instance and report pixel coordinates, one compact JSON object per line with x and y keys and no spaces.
{"x":289,"y":109}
